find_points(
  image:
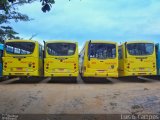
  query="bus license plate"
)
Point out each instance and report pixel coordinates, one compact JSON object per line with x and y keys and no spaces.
{"x":61,"y":69}
{"x":19,"y":68}
{"x":141,"y":69}
{"x":101,"y":71}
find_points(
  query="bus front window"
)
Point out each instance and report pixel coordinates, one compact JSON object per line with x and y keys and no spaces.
{"x":61,"y":49}
{"x":140,"y":48}
{"x":20,"y":48}
{"x":102,"y":50}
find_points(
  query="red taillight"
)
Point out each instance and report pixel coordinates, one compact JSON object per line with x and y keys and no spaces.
{"x":5,"y":66}
{"x":5,"y":63}
{"x":128,"y":67}
{"x":33,"y":66}
{"x":33,"y":63}
{"x":75,"y":67}
{"x":46,"y":67}
{"x":47,"y":64}
{"x":74,"y":64}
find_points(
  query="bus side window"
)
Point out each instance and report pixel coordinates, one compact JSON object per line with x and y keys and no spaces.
{"x":120,"y":53}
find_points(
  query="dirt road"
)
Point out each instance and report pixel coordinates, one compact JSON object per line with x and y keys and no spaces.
{"x":44,"y":96}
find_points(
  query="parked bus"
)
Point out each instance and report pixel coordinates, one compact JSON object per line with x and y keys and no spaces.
{"x":158,"y":58}
{"x":61,"y":59}
{"x":1,"y":63}
{"x":23,"y":58}
{"x":137,"y":58}
{"x":99,"y":59}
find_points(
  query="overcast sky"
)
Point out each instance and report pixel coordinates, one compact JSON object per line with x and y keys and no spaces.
{"x":115,"y":20}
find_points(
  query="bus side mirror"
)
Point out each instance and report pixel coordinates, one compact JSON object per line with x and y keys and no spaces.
{"x":89,"y":44}
{"x":79,"y":56}
{"x":44,"y":52}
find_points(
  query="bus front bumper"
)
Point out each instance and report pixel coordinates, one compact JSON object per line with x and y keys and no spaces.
{"x":96,"y":74}
{"x":33,"y":73}
{"x":129,"y":73}
{"x":72,"y":74}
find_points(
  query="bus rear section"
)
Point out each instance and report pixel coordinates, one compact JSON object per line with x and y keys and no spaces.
{"x":22,"y":58}
{"x":99,"y":59}
{"x":61,"y":59}
{"x":138,"y":59}
{"x":158,"y":58}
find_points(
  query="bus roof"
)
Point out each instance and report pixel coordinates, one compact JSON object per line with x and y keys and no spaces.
{"x":140,"y":41}
{"x":102,"y":41}
{"x":60,"y":41}
{"x":20,"y":40}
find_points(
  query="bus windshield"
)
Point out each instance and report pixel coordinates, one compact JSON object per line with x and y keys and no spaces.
{"x":140,"y":48}
{"x":20,"y":48}
{"x":102,"y":50}
{"x":61,"y":49}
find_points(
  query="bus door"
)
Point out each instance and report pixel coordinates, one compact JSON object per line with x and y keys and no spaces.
{"x":1,"y":63}
{"x":158,"y":58}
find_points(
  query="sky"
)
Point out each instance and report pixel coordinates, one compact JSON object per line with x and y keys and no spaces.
{"x":112,"y":20}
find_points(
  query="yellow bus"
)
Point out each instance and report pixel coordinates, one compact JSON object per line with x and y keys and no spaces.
{"x":23,"y":58}
{"x":61,"y":59}
{"x":99,"y":59}
{"x":137,"y":58}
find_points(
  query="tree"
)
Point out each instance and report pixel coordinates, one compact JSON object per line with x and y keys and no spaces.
{"x":9,"y":11}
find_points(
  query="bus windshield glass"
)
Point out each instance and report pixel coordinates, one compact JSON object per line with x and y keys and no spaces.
{"x":102,"y":50}
{"x":61,"y":49}
{"x":140,"y":48}
{"x":20,"y":48}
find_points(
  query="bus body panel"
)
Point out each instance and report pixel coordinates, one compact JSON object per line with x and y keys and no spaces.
{"x":133,"y":65}
{"x":61,"y":66}
{"x":21,"y":67}
{"x":98,"y":67}
{"x":158,"y":58}
{"x":23,"y":64}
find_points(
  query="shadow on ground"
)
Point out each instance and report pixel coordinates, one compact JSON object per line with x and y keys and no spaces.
{"x":30,"y":80}
{"x":63,"y":80}
{"x":96,"y":81}
{"x":133,"y":80}
{"x":157,"y":77}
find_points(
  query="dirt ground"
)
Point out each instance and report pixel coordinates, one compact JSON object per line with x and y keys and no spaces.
{"x":45,"y":96}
